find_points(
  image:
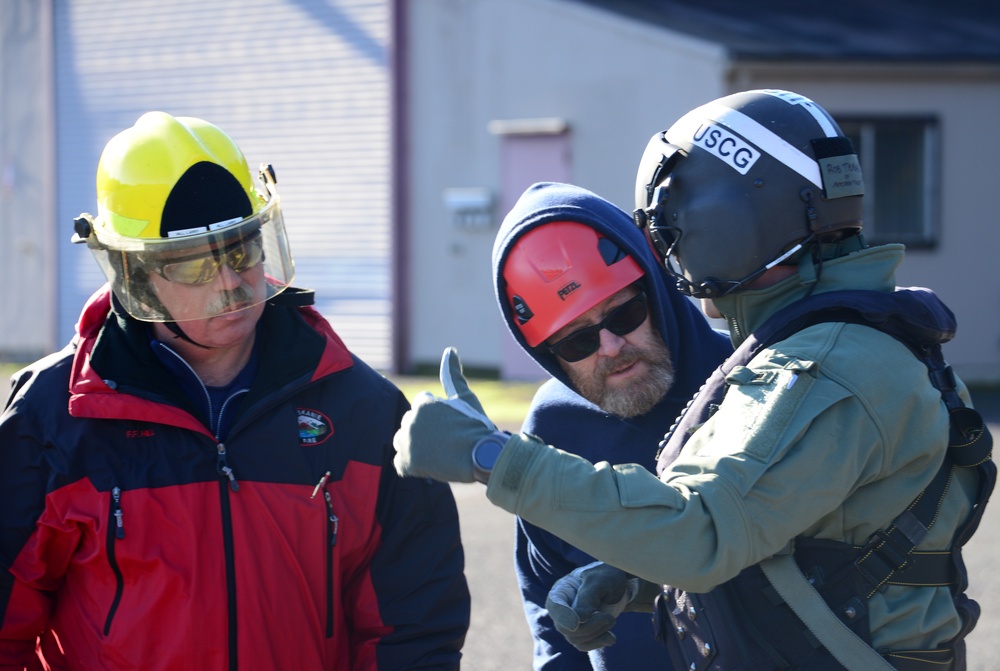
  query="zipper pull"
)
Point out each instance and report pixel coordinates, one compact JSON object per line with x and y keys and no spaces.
{"x":319,"y":485}
{"x":334,"y":521}
{"x":225,"y":471}
{"x":116,"y":494}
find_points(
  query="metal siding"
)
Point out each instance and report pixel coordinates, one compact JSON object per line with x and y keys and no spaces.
{"x":27,"y":313}
{"x":301,"y":84}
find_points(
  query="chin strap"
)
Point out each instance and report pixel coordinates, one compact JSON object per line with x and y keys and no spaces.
{"x":176,"y":329}
{"x":172,"y":326}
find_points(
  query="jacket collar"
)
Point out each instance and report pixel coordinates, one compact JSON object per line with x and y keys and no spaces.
{"x":115,"y":373}
{"x":873,"y":268}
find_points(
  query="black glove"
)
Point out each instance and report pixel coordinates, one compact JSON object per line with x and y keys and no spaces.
{"x":585,"y":604}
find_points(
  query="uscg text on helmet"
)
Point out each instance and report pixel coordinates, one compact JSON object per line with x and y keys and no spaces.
{"x":732,"y":150}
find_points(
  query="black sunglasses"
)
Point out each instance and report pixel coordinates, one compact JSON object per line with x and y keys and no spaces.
{"x":624,"y":319}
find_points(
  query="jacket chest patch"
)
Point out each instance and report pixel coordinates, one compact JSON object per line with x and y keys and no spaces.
{"x":314,"y":427}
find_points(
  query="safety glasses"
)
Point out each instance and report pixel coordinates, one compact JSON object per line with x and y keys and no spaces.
{"x":624,"y":319}
{"x":203,"y":268}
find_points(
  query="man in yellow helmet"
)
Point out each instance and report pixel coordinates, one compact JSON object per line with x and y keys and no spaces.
{"x":203,"y":477}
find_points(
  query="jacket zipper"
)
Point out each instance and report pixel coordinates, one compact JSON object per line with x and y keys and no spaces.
{"x":116,"y":531}
{"x":223,"y":469}
{"x":734,"y":327}
{"x":225,"y":506}
{"x":227,"y":476}
{"x":332,"y":528}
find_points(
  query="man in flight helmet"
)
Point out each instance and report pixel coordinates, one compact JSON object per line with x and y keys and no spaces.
{"x":812,"y":501}
{"x":764,"y":176}
{"x":582,"y":293}
{"x":205,"y":455}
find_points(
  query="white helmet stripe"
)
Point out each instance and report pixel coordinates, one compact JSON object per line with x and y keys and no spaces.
{"x":795,"y":99}
{"x":683,"y":132}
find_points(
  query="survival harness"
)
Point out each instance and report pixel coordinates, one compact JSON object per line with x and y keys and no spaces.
{"x":743,"y":624}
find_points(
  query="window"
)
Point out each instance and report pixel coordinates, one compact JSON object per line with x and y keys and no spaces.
{"x":900,"y":167}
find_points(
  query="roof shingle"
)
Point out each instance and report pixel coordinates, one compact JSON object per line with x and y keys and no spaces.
{"x":965,"y":31}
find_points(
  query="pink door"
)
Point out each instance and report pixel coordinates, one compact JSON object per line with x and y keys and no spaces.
{"x":527,"y":158}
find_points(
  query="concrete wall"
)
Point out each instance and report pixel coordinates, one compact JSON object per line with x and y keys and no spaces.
{"x":614,"y":81}
{"x":962,"y":268}
{"x":617,"y":81}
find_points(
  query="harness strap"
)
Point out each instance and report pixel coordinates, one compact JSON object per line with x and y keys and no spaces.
{"x":890,"y":551}
{"x":927,"y":569}
{"x":848,"y":649}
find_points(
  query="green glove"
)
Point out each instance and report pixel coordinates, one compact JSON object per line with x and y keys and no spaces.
{"x":585,"y":604}
{"x":436,"y":437}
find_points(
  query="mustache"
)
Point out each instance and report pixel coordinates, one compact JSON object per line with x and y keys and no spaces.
{"x":233,"y":298}
{"x":628,"y":355}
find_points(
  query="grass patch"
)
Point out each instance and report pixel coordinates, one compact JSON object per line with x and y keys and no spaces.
{"x":6,"y":370}
{"x":505,"y":402}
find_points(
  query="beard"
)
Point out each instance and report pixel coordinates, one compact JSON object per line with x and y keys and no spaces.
{"x":640,"y":394}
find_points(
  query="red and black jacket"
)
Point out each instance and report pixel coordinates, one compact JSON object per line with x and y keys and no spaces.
{"x":130,"y":537}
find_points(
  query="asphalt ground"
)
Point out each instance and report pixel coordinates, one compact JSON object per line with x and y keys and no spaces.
{"x":498,"y":638}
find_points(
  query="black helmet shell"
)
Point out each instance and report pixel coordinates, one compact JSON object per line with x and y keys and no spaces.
{"x":742,"y":180}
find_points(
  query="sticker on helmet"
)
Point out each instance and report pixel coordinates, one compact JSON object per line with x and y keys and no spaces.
{"x":839,"y":167}
{"x":808,"y":105}
{"x":754,"y":135}
{"x":720,"y":143}
{"x":842,"y":176}
{"x":184,"y":232}
{"x":521,"y":309}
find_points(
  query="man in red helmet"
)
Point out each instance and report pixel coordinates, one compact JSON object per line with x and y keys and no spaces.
{"x":581,"y":292}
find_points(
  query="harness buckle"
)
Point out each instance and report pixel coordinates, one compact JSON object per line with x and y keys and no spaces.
{"x":896,"y":556}
{"x":881,"y":557}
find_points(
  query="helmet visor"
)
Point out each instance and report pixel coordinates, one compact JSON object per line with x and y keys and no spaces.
{"x":233,"y":266}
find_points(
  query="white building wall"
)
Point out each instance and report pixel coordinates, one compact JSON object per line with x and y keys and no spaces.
{"x":614,"y":81}
{"x":962,"y":268}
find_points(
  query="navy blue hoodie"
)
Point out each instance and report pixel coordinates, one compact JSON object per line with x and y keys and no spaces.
{"x":561,"y":417}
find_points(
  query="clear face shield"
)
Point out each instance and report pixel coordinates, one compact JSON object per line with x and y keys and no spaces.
{"x":234,"y":266}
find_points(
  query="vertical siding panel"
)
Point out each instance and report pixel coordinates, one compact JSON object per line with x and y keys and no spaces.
{"x":300,"y":84}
